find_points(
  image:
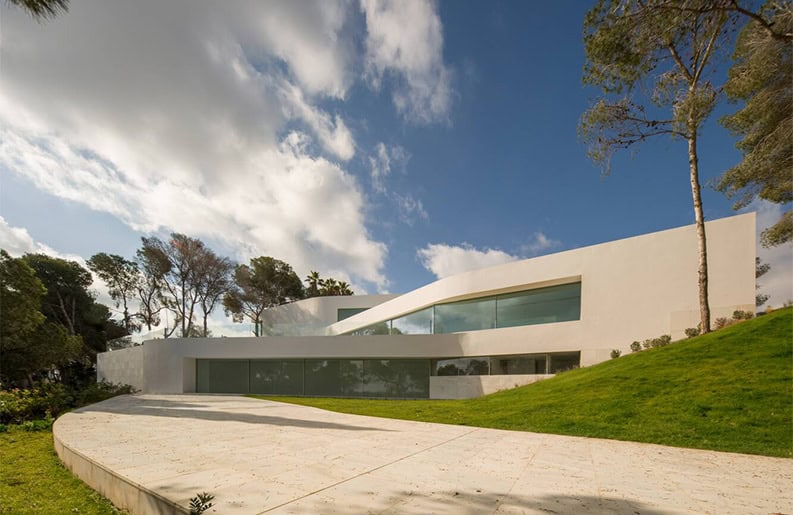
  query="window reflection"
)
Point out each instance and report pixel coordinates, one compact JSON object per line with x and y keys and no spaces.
{"x":419,"y":322}
{"x":461,"y":367}
{"x":469,"y":315}
{"x":560,"y":303}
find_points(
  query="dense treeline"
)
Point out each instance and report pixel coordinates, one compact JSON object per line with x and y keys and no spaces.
{"x":52,"y":327}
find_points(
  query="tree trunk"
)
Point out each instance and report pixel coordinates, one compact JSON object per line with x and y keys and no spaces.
{"x":704,"y":307}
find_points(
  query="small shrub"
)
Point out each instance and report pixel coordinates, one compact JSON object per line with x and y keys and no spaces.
{"x":742,"y":315}
{"x":636,"y":347}
{"x":201,"y":503}
{"x":662,"y":341}
{"x":31,"y":426}
{"x":616,"y":353}
{"x":721,"y":323}
{"x":647,"y":343}
{"x":692,"y":332}
{"x":101,"y":391}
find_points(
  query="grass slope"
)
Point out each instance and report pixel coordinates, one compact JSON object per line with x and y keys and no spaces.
{"x":731,"y":390}
{"x":32,"y":479}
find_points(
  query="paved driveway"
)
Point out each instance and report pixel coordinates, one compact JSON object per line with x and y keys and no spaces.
{"x":267,"y":457}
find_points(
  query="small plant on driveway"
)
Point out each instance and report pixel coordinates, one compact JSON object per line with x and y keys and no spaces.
{"x":201,"y":503}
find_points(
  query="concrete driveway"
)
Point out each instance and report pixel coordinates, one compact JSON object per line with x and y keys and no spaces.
{"x":151,"y":454}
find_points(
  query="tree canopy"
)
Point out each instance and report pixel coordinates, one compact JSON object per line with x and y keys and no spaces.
{"x":654,"y":62}
{"x":265,"y":283}
{"x":30,"y":344}
{"x":189,"y":275}
{"x":123,"y":282}
{"x":762,"y":78}
{"x":316,"y":286}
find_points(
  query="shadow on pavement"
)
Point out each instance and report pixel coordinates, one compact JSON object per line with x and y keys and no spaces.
{"x":208,"y":410}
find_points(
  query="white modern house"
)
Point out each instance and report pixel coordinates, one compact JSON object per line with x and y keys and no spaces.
{"x":469,"y":334}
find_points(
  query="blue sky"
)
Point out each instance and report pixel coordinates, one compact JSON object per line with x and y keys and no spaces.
{"x":385,"y":143}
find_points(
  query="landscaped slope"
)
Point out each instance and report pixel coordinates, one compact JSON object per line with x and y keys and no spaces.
{"x":731,"y":390}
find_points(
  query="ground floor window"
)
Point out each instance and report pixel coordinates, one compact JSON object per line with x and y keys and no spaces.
{"x":381,"y":378}
{"x":394,"y":378}
{"x":549,"y":363}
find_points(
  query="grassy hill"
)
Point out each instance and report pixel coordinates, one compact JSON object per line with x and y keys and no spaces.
{"x":731,"y":390}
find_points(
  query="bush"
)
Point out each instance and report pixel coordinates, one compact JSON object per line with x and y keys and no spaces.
{"x":636,"y":347}
{"x":43,"y":401}
{"x":742,"y":315}
{"x":721,"y":323}
{"x":46,"y":401}
{"x":616,"y":353}
{"x":654,"y":343}
{"x":692,"y":332}
{"x":100,"y":391}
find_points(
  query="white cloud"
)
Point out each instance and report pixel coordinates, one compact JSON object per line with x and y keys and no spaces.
{"x":445,"y":260}
{"x":777,"y":283}
{"x":405,"y":41}
{"x":382,"y":162}
{"x":409,"y":208}
{"x":380,"y":165}
{"x":185,"y":116}
{"x":539,"y":243}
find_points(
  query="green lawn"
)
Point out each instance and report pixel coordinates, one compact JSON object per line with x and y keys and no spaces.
{"x":731,"y":390}
{"x":32,"y":479}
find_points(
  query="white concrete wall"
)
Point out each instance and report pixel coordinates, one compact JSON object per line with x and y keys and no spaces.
{"x":468,"y":387}
{"x":125,"y":366}
{"x":310,"y":317}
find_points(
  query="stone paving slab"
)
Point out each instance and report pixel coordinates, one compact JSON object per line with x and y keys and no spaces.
{"x":268,"y":457}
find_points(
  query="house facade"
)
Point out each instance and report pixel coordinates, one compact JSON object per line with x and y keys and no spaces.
{"x":468,"y":334}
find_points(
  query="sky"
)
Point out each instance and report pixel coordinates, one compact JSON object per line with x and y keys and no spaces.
{"x":386,"y":143}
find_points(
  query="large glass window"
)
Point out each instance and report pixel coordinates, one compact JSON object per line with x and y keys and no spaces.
{"x":460,"y":367}
{"x":544,"y":305}
{"x":468,"y":315}
{"x":222,"y":376}
{"x":565,"y":361}
{"x":419,"y":322}
{"x":560,"y":303}
{"x":405,"y":378}
{"x":526,"y":364}
{"x":342,"y":313}
{"x":277,"y":377}
{"x":334,"y":377}
{"x":374,"y":330}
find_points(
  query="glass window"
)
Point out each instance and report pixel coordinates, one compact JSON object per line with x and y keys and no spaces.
{"x":397,"y":378}
{"x":526,"y":364}
{"x":419,"y":322}
{"x":541,"y":306}
{"x":343,"y":313}
{"x":222,"y":376}
{"x":202,"y":376}
{"x":460,"y":367}
{"x":277,"y":377}
{"x":374,"y":329}
{"x":565,"y":361}
{"x":334,"y":377}
{"x":468,"y":315}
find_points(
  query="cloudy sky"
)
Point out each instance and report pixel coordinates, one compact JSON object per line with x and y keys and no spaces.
{"x":385,"y":143}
